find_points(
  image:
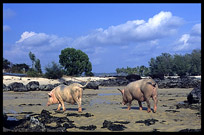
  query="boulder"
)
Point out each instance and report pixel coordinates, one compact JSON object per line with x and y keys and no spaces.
{"x":33,"y":85}
{"x":93,"y":85}
{"x":157,"y":76}
{"x":133,"y":77}
{"x":5,"y":88}
{"x":48,"y":87}
{"x":195,"y":95}
{"x":17,"y":87}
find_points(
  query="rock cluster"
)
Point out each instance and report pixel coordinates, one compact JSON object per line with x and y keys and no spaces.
{"x":112,"y":126}
{"x":41,"y":123}
{"x":185,"y":82}
{"x":193,"y":100}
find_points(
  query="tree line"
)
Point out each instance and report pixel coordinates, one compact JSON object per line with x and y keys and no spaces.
{"x":72,"y":63}
{"x":169,"y":65}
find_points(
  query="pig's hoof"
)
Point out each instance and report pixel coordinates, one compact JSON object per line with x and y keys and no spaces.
{"x":148,"y":111}
{"x":140,"y":108}
{"x":80,"y":110}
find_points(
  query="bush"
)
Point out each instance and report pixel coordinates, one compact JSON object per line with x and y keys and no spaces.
{"x":53,"y":71}
{"x":33,"y":73}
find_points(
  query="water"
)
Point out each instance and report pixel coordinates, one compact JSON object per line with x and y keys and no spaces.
{"x":99,"y":101}
{"x":108,"y":94}
{"x":15,"y":74}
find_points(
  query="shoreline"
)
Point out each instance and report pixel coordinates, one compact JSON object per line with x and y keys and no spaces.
{"x":44,"y":81}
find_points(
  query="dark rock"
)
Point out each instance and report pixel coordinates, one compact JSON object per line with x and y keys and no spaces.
{"x":118,"y":81}
{"x":157,"y":76}
{"x":69,"y":125}
{"x":79,"y":115}
{"x":57,"y":84}
{"x":122,"y":122}
{"x":36,"y":125}
{"x":173,"y":111}
{"x":113,"y":127}
{"x":48,"y":87}
{"x":93,"y":85}
{"x":5,"y":88}
{"x":191,"y":106}
{"x":33,"y":85}
{"x":185,"y":82}
{"x":17,"y":87}
{"x":194,"y":96}
{"x":133,"y":77}
{"x":90,"y":127}
{"x":147,"y":122}
{"x":68,"y":82}
{"x":190,"y":130}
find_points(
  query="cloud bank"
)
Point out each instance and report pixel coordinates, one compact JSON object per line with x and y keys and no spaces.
{"x":159,"y":26}
{"x":133,"y":40}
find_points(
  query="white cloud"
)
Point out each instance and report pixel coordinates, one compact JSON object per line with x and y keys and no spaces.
{"x":25,"y":36}
{"x":196,"y":30}
{"x":190,"y":41}
{"x":159,"y":26}
{"x":41,"y":41}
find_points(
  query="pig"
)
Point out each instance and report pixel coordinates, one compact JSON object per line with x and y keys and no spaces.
{"x":140,"y":90}
{"x":70,"y":94}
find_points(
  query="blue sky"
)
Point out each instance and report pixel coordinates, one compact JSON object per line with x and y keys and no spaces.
{"x":112,"y":35}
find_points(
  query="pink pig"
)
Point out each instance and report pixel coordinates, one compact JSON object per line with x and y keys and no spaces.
{"x":70,"y":94}
{"x":140,"y":90}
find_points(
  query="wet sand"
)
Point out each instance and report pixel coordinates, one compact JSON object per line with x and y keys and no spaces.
{"x":104,"y":104}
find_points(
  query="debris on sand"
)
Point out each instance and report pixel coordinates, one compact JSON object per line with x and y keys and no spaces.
{"x":147,"y":122}
{"x":113,"y":127}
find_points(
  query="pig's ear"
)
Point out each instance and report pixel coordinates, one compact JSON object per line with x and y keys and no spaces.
{"x":49,"y":94}
{"x":122,"y":91}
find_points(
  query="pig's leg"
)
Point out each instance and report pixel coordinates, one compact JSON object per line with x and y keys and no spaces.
{"x":140,"y":104}
{"x":59,"y":106}
{"x":155,"y":102}
{"x":61,"y":103}
{"x":148,"y":105}
{"x":79,"y":106}
{"x":129,"y":105}
{"x":78,"y":101}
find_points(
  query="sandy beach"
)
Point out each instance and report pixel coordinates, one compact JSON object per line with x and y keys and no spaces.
{"x":104,"y":104}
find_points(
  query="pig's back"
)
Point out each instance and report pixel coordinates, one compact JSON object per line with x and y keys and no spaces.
{"x":64,"y":92}
{"x":134,"y":89}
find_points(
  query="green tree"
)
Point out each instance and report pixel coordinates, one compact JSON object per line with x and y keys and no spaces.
{"x":163,"y":64}
{"x":6,"y":64}
{"x":36,"y":70}
{"x":19,"y":68}
{"x":195,"y":62}
{"x":53,"y":71}
{"x":153,"y":66}
{"x":180,"y":65}
{"x":32,"y":57}
{"x":75,"y":62}
{"x":38,"y":66}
